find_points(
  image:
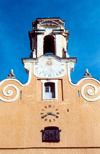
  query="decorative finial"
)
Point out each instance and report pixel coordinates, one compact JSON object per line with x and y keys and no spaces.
{"x":11,"y":75}
{"x":87,"y":74}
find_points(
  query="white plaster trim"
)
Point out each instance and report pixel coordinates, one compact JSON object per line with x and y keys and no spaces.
{"x":43,"y":89}
{"x":10,"y":93}
{"x":29,"y":79}
{"x":90,"y":92}
{"x":76,"y":84}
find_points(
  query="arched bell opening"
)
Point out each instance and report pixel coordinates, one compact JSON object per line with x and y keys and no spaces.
{"x":49,"y":45}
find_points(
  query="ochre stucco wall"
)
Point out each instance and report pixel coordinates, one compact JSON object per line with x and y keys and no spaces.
{"x":21,"y":122}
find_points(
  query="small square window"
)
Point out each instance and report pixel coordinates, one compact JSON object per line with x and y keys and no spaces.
{"x":51,"y":134}
{"x":49,"y":89}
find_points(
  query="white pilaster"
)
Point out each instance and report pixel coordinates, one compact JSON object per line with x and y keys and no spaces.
{"x":39,"y":45}
{"x":58,"y":45}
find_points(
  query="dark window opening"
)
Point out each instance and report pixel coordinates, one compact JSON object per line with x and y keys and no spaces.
{"x":49,"y":47}
{"x":49,"y":90}
{"x":51,"y":134}
{"x":20,"y":94}
{"x":78,"y":94}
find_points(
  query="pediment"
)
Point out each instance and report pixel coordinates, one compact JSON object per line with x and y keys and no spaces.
{"x":50,"y":23}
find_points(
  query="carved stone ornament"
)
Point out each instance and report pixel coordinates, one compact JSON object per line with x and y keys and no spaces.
{"x":87,"y":74}
{"x":49,"y":23}
{"x":49,"y":68}
{"x":11,"y":75}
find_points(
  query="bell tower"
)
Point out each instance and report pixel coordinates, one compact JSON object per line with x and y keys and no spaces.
{"x":49,"y":57}
{"x":49,"y":37}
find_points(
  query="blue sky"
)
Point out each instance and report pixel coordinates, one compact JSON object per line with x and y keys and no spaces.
{"x":82,"y":18}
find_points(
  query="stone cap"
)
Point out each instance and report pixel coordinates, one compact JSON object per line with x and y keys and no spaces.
{"x":87,"y":74}
{"x":11,"y":75}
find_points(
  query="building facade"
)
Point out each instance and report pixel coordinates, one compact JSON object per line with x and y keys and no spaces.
{"x":49,"y":114}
